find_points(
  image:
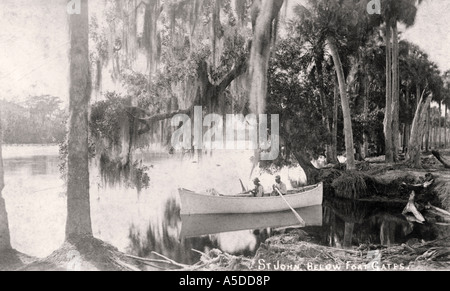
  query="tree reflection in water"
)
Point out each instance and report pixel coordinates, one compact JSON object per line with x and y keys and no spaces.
{"x":353,"y":223}
{"x":345,"y":224}
{"x":163,"y":237}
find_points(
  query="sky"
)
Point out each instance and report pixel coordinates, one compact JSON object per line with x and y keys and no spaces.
{"x":431,"y":31}
{"x":34,"y":44}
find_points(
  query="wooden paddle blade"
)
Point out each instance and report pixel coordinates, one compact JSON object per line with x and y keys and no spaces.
{"x":299,"y":218}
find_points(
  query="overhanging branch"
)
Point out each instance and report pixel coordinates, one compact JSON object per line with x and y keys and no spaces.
{"x":158,"y":117}
{"x":232,"y":75}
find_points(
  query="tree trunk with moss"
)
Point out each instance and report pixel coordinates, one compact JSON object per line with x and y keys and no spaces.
{"x":348,"y":131}
{"x":264,"y":14}
{"x":78,"y":205}
{"x":311,"y":172}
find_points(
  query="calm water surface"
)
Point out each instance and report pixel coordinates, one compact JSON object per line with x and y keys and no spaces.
{"x":139,"y":223}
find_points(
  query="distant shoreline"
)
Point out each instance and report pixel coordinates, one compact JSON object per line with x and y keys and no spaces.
{"x":11,"y":151}
{"x":29,"y":145}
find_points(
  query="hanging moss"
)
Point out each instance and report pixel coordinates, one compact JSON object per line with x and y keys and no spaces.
{"x":113,"y":172}
{"x":150,"y":39}
{"x":241,"y":10}
{"x":194,"y":15}
{"x":216,"y":30}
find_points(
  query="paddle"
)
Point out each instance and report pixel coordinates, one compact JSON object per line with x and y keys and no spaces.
{"x":242,"y":185}
{"x":299,"y":218}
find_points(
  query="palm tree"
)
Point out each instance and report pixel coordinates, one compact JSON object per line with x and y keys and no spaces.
{"x":433,"y":89}
{"x":331,"y":20}
{"x":394,"y":11}
{"x":78,"y":222}
{"x":315,"y":20}
{"x":348,"y":131}
{"x":314,"y":46}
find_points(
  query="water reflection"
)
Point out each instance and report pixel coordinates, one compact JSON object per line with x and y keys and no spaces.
{"x":197,"y":225}
{"x":353,"y":223}
{"x":32,"y":166}
{"x":337,"y":223}
{"x":151,"y":221}
{"x":239,"y":234}
{"x":35,"y":201}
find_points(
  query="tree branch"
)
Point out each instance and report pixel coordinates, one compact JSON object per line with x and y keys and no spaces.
{"x":237,"y":70}
{"x":232,"y":75}
{"x":438,"y":156}
{"x":157,"y":117}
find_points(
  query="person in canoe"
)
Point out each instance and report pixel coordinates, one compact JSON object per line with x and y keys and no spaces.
{"x":280,"y":186}
{"x":259,"y":189}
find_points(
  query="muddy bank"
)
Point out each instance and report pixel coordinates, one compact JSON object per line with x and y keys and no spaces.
{"x":12,"y":260}
{"x":377,"y":181}
{"x":84,"y":254}
{"x":297,"y":251}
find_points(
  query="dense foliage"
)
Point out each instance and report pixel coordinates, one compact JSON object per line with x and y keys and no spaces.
{"x":40,"y":120}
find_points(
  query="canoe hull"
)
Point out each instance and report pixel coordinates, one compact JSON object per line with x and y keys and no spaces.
{"x":194,"y":203}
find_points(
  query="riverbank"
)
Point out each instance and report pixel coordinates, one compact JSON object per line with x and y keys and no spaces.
{"x":376,"y":182}
{"x":306,"y":249}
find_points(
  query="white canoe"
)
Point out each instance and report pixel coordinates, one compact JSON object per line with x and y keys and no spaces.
{"x":195,"y":203}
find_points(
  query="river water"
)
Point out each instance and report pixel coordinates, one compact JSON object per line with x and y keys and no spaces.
{"x":141,"y":222}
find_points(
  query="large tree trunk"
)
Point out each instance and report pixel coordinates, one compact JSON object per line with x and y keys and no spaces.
{"x":311,"y":172}
{"x":266,"y":13}
{"x":428,"y":129}
{"x":445,"y":126}
{"x":434,"y":131}
{"x":365,"y":151}
{"x":151,"y":35}
{"x":440,"y":126}
{"x":388,"y":134}
{"x":443,"y":161}
{"x":78,"y":204}
{"x":417,"y":95}
{"x":348,"y":131}
{"x":407,"y":128}
{"x":417,"y":131}
{"x":5,"y":242}
{"x":395,"y":92}
{"x":330,"y":155}
{"x":216,"y":28}
{"x":335,"y":119}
